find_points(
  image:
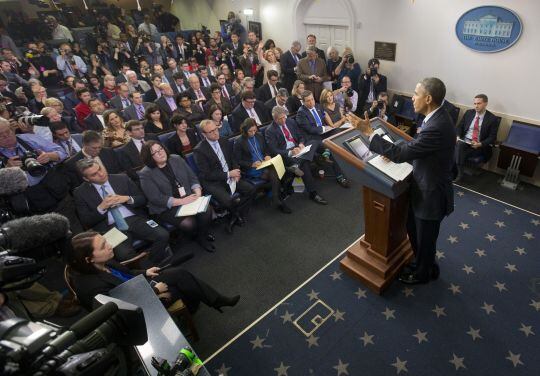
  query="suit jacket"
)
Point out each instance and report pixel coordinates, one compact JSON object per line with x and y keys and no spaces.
{"x":87,"y":199}
{"x":271,"y":103}
{"x":164,"y":106}
{"x":130,"y":158}
{"x":264,"y":93}
{"x":182,"y":53}
{"x":210,"y":169}
{"x":288,"y":63}
{"x":116,"y":102}
{"x":210,"y":78}
{"x":225,"y":105}
{"x":240,"y":114}
{"x":194,"y":117}
{"x":308,"y":124}
{"x":92,"y":122}
{"x":150,"y":95}
{"x":432,"y":156}
{"x":174,"y":145}
{"x":364,"y":85}
{"x":205,"y":91}
{"x":108,"y":157}
{"x":242,"y":153}
{"x":87,"y":286}
{"x":157,"y":187}
{"x":130,"y":113}
{"x":277,"y":144}
{"x":143,"y":87}
{"x":488,"y":130}
{"x":452,"y":110}
{"x":304,"y":71}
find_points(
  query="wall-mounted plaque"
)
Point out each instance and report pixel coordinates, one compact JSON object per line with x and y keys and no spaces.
{"x":385,"y":51}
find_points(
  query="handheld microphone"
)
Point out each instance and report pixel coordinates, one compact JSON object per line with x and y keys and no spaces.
{"x":32,"y":232}
{"x":12,"y":180}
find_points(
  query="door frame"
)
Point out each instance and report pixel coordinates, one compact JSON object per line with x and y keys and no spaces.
{"x":300,"y":8}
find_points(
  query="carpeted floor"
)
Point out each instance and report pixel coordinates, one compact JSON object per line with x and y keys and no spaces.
{"x":274,"y":253}
{"x":481,"y":317}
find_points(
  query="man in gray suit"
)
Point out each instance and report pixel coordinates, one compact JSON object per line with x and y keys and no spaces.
{"x":138,"y":107}
{"x":104,"y":201}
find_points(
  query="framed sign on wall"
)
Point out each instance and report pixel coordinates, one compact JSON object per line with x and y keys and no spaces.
{"x":489,"y":28}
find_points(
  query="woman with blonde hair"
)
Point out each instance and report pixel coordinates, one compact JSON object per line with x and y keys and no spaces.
{"x":114,"y":134}
{"x":268,"y":61}
{"x":333,"y":112}
{"x":294,"y":102}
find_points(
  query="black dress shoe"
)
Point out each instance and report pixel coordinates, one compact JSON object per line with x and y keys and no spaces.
{"x":284,"y":208}
{"x":210,"y":237}
{"x":318,"y":199}
{"x":225,"y":301}
{"x":206,"y":245}
{"x":343,"y":182}
{"x":412,"y":279}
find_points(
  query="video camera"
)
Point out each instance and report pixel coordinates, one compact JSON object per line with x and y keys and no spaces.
{"x":349,"y":58}
{"x":91,"y":346}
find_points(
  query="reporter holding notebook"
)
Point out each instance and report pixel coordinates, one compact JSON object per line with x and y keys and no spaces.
{"x":168,"y":183}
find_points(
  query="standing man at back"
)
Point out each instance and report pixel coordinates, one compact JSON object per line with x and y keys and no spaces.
{"x":431,"y":193}
{"x":312,"y":70}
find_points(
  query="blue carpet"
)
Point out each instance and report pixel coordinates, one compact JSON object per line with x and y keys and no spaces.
{"x":481,"y":317}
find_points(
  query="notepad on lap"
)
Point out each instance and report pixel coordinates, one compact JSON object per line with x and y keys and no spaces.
{"x":114,"y":237}
{"x":198,"y":206}
{"x":396,"y":171}
{"x":277,"y":162}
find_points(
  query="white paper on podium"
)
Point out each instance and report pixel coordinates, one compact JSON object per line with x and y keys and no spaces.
{"x":396,"y":171}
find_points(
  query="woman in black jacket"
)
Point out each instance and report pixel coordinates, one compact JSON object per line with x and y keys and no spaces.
{"x":250,"y":150}
{"x":95,"y":272}
{"x":184,"y":140}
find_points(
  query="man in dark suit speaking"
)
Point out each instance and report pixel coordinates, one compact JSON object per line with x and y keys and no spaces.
{"x":476,"y":133}
{"x":431,"y":154}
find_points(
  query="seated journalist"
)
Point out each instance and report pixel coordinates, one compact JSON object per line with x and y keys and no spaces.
{"x":96,"y":272}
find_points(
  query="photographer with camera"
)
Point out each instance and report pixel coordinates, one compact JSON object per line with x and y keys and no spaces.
{"x":70,"y":64}
{"x":148,"y":28}
{"x":38,"y":158}
{"x":346,"y":96}
{"x":13,"y":78}
{"x":333,"y":61}
{"x":381,"y":109}
{"x":371,"y":84}
{"x":45,"y":65}
{"x":58,"y":32}
{"x":348,"y":67}
{"x":148,"y":49}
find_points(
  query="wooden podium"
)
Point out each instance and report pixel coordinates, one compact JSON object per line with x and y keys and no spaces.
{"x":384,"y":249}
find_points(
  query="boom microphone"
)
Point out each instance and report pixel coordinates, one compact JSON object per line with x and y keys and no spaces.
{"x":26,"y":233}
{"x":12,"y":180}
{"x":80,"y":329}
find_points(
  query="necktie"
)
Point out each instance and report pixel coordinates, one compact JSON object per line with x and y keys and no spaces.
{"x":125,"y":103}
{"x":69,"y":147}
{"x":419,"y":129}
{"x":206,"y":83}
{"x":316,"y":116}
{"x":312,"y":65}
{"x":476,"y":129}
{"x":224,"y":92}
{"x":287,"y":134}
{"x":200,"y":96}
{"x":295,"y":58}
{"x":118,"y":218}
{"x":222,"y":159}
{"x":274,"y":93}
{"x":140,"y":111}
{"x":253,"y":115}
